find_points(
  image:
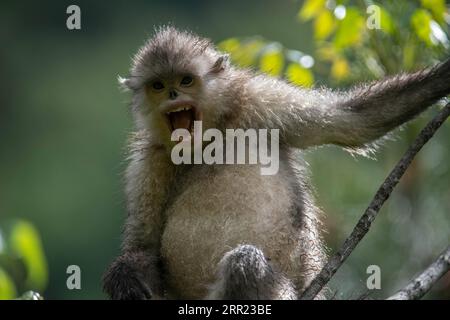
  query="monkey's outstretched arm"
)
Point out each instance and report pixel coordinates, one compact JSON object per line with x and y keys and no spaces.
{"x":350,"y":119}
{"x":135,"y":273}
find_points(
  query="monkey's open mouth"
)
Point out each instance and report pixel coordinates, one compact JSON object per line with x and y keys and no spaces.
{"x":182,"y":117}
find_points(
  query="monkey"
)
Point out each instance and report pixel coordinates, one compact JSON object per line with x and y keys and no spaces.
{"x":211,"y":231}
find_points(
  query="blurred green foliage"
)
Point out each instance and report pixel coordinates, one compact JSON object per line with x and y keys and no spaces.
{"x":270,"y":57}
{"x":64,"y":123}
{"x":23,"y":265}
{"x":379,"y":38}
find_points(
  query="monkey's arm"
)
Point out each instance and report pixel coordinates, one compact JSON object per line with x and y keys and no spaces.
{"x":135,"y":273}
{"x":351,"y":119}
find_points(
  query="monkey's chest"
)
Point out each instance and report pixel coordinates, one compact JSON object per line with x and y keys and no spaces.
{"x":220,"y":209}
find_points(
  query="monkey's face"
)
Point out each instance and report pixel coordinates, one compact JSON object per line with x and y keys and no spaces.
{"x":178,"y":94}
{"x":175,"y":101}
{"x":177,"y":78}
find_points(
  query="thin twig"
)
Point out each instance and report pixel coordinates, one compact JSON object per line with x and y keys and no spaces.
{"x":417,"y":288}
{"x":383,"y":193}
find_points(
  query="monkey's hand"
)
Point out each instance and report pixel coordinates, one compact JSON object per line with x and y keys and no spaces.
{"x":129,"y":277}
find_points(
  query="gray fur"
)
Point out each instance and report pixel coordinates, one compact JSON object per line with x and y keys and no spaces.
{"x":245,"y":274}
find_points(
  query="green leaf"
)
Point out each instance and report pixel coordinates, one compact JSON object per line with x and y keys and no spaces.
{"x":327,"y":52}
{"x":7,"y":287}
{"x":26,"y":243}
{"x":324,"y":25}
{"x":420,"y":21}
{"x":14,"y":266}
{"x":340,"y":69}
{"x":311,"y":9}
{"x":272,"y":62}
{"x":409,"y":53}
{"x":229,"y":45}
{"x":350,"y":29}
{"x":437,"y":7}
{"x":387,"y":23}
{"x":244,"y":53}
{"x":298,"y":75}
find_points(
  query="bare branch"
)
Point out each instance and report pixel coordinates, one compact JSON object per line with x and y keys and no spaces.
{"x":417,"y":288}
{"x":383,"y":193}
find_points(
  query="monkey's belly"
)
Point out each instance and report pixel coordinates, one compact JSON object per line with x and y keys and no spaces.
{"x":223,"y":207}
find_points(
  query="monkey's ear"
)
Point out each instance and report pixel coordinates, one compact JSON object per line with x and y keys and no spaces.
{"x":124,"y":83}
{"x":220,"y":64}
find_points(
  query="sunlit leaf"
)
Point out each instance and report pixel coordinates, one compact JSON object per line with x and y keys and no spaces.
{"x":340,"y":69}
{"x":324,"y":25}
{"x":350,"y":29}
{"x":420,"y":21}
{"x":272,"y":62}
{"x":13,"y":265}
{"x":26,"y":243}
{"x":298,"y":75}
{"x":437,"y":7}
{"x":7,"y":287}
{"x":409,"y":53}
{"x":243,"y":53}
{"x":327,"y":52}
{"x":310,"y":9}
{"x":387,"y":23}
{"x":229,"y":45}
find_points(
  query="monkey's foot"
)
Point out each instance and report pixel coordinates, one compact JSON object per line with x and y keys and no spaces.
{"x":122,"y":282}
{"x":245,"y":274}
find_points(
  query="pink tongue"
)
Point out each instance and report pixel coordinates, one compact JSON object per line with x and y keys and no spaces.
{"x":181,"y":120}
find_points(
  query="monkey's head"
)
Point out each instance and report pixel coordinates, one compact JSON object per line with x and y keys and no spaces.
{"x":176,"y":78}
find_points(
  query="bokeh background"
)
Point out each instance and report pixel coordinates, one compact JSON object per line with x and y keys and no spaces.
{"x":64,"y":123}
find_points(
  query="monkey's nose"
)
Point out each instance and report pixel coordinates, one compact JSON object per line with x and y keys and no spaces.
{"x":173,"y":94}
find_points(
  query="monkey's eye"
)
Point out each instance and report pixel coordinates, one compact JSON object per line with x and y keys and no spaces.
{"x":157,"y":85}
{"x":187,"y":81}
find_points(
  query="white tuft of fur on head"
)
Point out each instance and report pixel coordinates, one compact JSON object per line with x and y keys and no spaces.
{"x":123,"y":83}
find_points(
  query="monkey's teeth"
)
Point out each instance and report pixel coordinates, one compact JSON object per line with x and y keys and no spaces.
{"x":180,"y":109}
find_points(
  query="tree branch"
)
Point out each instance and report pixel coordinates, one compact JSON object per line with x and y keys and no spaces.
{"x":383,"y":193}
{"x":417,"y":288}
